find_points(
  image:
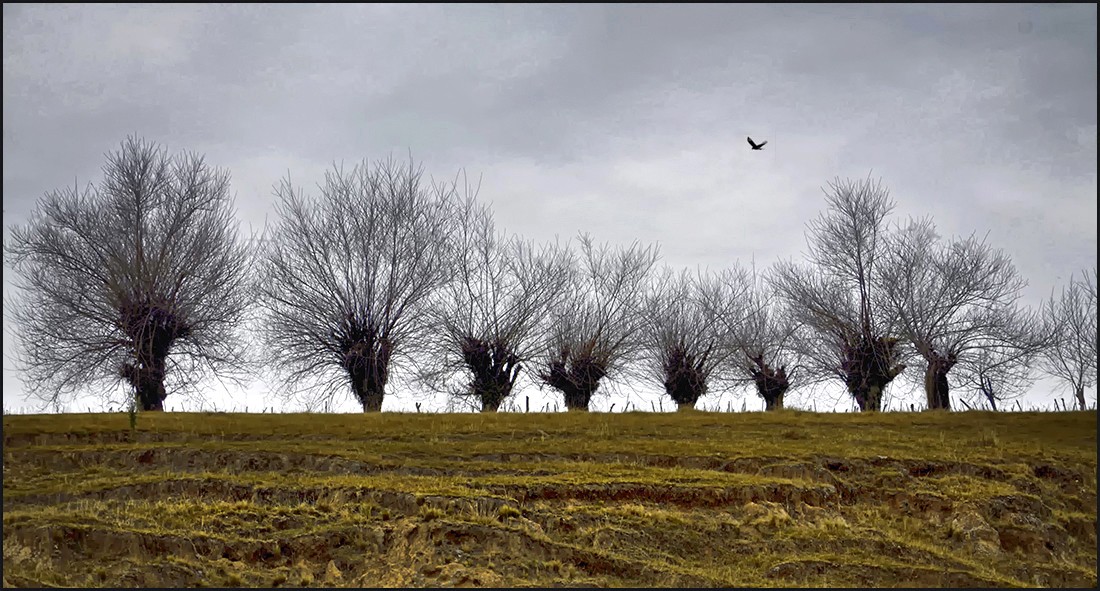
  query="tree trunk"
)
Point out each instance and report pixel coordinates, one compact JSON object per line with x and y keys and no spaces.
{"x":987,"y":390}
{"x":151,"y":391}
{"x":152,"y":399}
{"x":867,"y":370}
{"x":577,"y":378}
{"x":578,"y":399}
{"x":494,"y":368}
{"x":147,"y":380}
{"x":367,"y":363}
{"x":684,"y":407}
{"x":868,"y":398}
{"x":935,"y":380}
{"x":1079,"y":392}
{"x":152,"y":326}
{"x":372,"y":400}
{"x":770,"y":383}
{"x":685,"y":381}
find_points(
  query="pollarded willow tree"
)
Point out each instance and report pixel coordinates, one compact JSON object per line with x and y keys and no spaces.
{"x":762,"y":345}
{"x":594,"y":328}
{"x":345,"y":279}
{"x":835,"y":295}
{"x":490,"y":317}
{"x":689,"y":322}
{"x":141,"y":278}
{"x":953,"y":300}
{"x":1071,"y":319}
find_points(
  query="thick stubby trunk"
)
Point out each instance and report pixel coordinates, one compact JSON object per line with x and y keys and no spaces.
{"x":935,"y":380}
{"x":869,"y":399}
{"x":152,"y":393}
{"x":369,"y":389}
{"x":772,"y":395}
{"x":867,"y":369}
{"x":1079,"y":392}
{"x":368,"y":367}
{"x":576,"y":378}
{"x":372,"y":401}
{"x":685,"y":407}
{"x":147,"y":380}
{"x":771,"y":384}
{"x":494,"y":368}
{"x":153,"y":325}
{"x":685,"y":380}
{"x":365,"y":350}
{"x":579,"y":398}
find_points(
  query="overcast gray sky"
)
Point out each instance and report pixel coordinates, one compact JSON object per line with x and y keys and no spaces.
{"x":625,"y":121}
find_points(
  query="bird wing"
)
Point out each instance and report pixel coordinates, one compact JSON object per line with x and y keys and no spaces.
{"x":762,"y":144}
{"x":750,"y":142}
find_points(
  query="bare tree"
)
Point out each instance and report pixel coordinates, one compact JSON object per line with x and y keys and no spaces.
{"x":762,"y":344}
{"x":688,"y":323}
{"x":835,"y":296}
{"x":1072,"y":321}
{"x":346,"y":278}
{"x":955,"y":299}
{"x":141,"y":279}
{"x":995,"y":372}
{"x":490,"y":317}
{"x":594,"y":329}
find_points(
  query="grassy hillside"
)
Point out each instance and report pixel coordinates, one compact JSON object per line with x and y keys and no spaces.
{"x":640,"y":499}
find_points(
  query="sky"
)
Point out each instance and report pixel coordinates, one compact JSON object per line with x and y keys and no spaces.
{"x":624,"y":121}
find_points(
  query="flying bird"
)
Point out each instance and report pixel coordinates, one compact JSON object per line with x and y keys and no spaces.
{"x":756,"y":146}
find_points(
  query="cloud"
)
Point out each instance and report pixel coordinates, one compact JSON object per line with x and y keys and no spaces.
{"x":626,"y":121}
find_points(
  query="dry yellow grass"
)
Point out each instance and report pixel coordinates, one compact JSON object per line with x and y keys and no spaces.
{"x":570,"y":499}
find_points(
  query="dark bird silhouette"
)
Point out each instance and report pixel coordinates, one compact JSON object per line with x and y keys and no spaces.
{"x":756,"y":146}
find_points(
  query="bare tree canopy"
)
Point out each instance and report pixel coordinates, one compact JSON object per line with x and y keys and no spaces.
{"x":1072,"y":320}
{"x":953,"y":300}
{"x":689,"y":321}
{"x":834,"y":295}
{"x":346,"y":278}
{"x":490,"y":317}
{"x":595,"y":327}
{"x":141,"y":278}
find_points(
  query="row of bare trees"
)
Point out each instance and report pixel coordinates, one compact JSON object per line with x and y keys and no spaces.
{"x":386,"y":274}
